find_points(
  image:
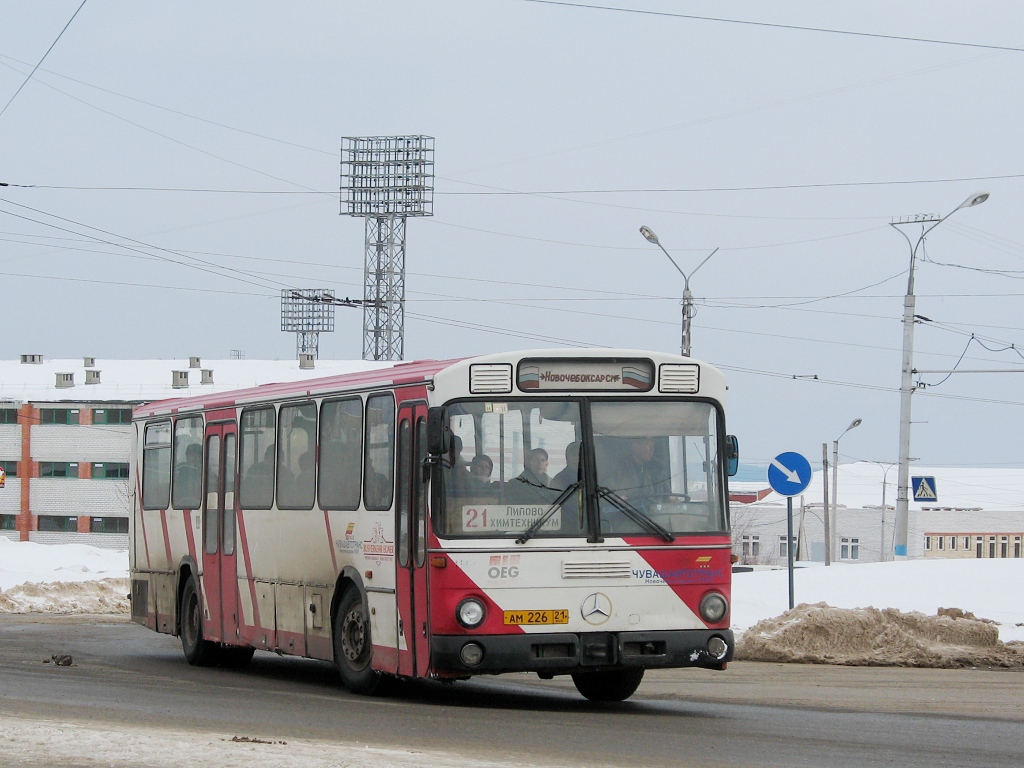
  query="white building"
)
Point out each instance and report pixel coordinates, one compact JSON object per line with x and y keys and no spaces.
{"x":65,"y":434}
{"x":976,"y":513}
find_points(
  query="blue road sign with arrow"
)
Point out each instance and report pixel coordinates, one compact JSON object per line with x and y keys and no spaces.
{"x":789,"y":474}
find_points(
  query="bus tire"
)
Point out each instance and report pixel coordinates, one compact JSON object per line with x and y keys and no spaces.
{"x":353,"y":650}
{"x":611,"y":685}
{"x":198,"y":652}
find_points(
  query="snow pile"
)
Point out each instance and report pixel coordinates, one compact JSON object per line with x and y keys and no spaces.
{"x":821,"y":634}
{"x":100,"y":596}
{"x":62,"y":578}
{"x":987,"y":588}
{"x":26,"y":561}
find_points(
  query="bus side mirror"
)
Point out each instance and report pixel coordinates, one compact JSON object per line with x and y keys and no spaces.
{"x":439,"y":434}
{"x":732,"y":455}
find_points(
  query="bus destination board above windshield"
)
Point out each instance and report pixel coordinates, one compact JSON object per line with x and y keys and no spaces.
{"x":557,"y":375}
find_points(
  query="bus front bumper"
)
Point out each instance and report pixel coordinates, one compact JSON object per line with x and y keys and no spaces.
{"x":566,"y":652}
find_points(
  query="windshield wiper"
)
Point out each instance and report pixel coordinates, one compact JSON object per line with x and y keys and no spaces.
{"x":557,"y":503}
{"x":633,"y":513}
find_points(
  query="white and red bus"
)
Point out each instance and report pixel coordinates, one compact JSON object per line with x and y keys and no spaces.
{"x":554,"y":511}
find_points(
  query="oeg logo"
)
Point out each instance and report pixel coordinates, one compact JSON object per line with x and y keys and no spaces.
{"x":503,"y":567}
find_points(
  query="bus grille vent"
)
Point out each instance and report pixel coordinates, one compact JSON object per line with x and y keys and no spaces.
{"x":684,"y":379}
{"x":490,"y":379}
{"x":612,"y":569}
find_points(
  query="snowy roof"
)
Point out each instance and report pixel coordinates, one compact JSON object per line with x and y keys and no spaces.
{"x":147,"y":380}
{"x":860,"y":487}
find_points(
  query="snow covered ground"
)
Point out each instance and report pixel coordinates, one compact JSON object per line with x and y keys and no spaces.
{"x":81,"y":579}
{"x":987,"y":588}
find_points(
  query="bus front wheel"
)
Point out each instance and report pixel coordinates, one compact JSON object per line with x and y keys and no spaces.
{"x":614,"y":685}
{"x":353,"y":650}
{"x":198,"y":652}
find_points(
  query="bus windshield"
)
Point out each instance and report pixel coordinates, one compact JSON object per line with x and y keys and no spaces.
{"x":655,"y":469}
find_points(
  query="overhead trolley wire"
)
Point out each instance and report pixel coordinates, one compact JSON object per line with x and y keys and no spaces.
{"x":29,"y":76}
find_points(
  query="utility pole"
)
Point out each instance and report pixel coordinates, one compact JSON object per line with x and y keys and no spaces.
{"x":907,"y":387}
{"x":835,"y":484}
{"x":825,"y":507}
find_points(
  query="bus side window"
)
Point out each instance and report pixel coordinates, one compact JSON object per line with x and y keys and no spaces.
{"x":258,"y":444}
{"x":379,"y":459}
{"x":186,"y":491}
{"x":156,"y":466}
{"x":296,"y":457}
{"x":341,"y":453}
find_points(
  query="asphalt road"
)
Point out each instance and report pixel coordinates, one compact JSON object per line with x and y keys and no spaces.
{"x":750,"y":715}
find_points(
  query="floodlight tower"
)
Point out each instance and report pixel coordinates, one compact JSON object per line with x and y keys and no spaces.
{"x":307,"y":312}
{"x":386,"y":179}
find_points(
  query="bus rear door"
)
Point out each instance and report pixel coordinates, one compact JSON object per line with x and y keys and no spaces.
{"x":219,"y":559}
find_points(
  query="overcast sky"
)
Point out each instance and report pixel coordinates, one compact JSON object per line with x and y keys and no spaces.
{"x":559,"y":131}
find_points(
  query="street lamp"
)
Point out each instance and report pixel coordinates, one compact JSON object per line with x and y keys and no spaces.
{"x":886,"y":466}
{"x":907,"y":381}
{"x":688,"y":310}
{"x":830,"y":535}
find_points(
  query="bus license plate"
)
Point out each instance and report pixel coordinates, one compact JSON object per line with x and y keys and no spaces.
{"x":557,"y":616}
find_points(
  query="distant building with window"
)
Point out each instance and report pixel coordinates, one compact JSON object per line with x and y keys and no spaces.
{"x":65,"y":434}
{"x":978,"y":513}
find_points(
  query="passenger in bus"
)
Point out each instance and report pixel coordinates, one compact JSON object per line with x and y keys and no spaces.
{"x":532,"y":485}
{"x":480,"y":469}
{"x":188,"y":478}
{"x":258,"y":482}
{"x":571,"y":473}
{"x":298,"y":490}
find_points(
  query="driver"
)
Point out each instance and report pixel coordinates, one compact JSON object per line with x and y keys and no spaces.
{"x":641,"y":473}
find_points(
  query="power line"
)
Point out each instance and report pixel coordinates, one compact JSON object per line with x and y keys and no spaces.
{"x":29,"y":77}
{"x":209,"y":267}
{"x":169,"y":109}
{"x":771,"y":25}
{"x":760,"y":188}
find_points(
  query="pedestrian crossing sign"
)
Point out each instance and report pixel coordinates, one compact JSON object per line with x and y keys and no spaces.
{"x":924,"y":489}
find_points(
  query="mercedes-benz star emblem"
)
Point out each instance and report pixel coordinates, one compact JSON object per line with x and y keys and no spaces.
{"x":596,"y":608}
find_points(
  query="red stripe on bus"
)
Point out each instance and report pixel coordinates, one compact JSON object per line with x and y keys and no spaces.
{"x":448,"y":586}
{"x":330,"y":541}
{"x":240,"y":518}
{"x":142,"y":519}
{"x":186,"y":518}
{"x":689,"y":579}
{"x":167,"y":538}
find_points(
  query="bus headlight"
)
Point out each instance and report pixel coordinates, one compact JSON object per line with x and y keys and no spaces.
{"x":713,"y":607}
{"x":470,"y":613}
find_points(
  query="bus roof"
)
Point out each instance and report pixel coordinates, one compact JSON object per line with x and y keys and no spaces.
{"x":401,"y":373}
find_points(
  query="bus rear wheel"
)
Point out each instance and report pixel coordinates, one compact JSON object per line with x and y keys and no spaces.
{"x":198,"y":652}
{"x":613,"y":685}
{"x":353,"y":650}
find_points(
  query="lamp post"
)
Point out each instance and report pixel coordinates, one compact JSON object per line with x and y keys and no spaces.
{"x":688,"y":310}
{"x":831,"y":543}
{"x":886,"y":466}
{"x":907,"y":380}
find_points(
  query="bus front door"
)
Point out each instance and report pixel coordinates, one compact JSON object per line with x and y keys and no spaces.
{"x":219,"y":561}
{"x":411,"y":544}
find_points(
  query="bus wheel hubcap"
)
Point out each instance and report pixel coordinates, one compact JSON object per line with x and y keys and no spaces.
{"x":354,"y":636}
